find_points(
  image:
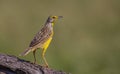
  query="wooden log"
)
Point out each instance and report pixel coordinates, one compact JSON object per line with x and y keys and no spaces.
{"x":13,"y":65}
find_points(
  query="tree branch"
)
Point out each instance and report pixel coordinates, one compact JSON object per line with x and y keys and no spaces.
{"x":13,"y":65}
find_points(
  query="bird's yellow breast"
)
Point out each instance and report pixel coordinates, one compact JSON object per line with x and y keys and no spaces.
{"x":46,"y":44}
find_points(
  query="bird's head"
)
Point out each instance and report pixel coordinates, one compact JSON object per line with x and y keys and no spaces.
{"x":52,"y":19}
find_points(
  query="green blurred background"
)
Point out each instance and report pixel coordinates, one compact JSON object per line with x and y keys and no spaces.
{"x":86,"y":40}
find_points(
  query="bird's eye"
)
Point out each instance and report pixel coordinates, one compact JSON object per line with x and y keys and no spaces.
{"x":53,"y":17}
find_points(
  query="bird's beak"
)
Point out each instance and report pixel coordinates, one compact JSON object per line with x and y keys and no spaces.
{"x":59,"y":17}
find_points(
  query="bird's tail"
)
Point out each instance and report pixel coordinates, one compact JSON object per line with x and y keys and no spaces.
{"x":26,"y":51}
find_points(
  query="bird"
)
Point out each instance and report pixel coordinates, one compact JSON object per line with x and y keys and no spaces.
{"x":42,"y":39}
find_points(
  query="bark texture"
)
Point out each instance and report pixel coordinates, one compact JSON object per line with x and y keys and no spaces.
{"x":13,"y":65}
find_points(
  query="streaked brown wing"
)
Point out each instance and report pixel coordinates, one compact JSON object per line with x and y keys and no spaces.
{"x":41,"y":36}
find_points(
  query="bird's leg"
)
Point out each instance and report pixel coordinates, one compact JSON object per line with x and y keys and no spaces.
{"x":34,"y":56}
{"x":43,"y":56}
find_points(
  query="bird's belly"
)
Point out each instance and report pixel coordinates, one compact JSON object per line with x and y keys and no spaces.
{"x":46,"y":44}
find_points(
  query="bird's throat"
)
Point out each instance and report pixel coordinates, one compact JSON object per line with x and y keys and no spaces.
{"x":52,"y":23}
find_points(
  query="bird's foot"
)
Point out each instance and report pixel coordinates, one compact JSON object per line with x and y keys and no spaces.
{"x":46,"y":66}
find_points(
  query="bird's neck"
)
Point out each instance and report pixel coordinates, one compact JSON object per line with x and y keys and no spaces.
{"x":52,"y":23}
